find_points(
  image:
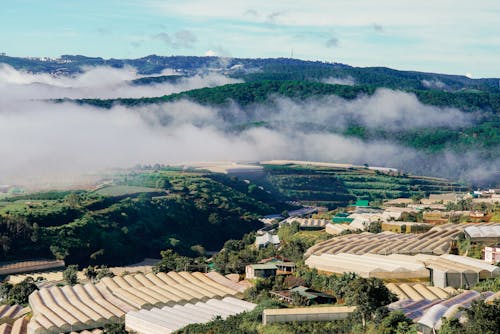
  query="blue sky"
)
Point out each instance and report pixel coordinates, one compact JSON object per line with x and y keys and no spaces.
{"x":447,"y":36}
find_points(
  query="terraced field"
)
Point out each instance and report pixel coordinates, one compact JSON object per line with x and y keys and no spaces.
{"x":335,"y":186}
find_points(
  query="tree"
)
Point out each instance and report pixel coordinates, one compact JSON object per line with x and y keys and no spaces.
{"x":19,"y":293}
{"x":368,"y":295}
{"x":483,"y":318}
{"x":375,"y":227}
{"x":395,"y":323}
{"x":299,"y":300}
{"x":116,"y":328}
{"x":70,"y":274}
{"x":90,"y":272}
{"x":95,"y":274}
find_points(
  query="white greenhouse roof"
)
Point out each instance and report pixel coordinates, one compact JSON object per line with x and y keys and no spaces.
{"x":172,"y":318}
{"x":367,"y":265}
{"x":80,"y":307}
{"x":435,"y":241}
{"x":485,"y":231}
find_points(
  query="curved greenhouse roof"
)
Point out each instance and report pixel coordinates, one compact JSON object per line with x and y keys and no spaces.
{"x":81,"y":307}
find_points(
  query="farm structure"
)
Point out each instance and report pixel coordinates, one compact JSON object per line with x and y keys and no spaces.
{"x":428,"y":314}
{"x":432,"y":319}
{"x":487,"y":234}
{"x":443,"y":271}
{"x":171,"y":318}
{"x":17,"y":327}
{"x":436,"y":241}
{"x":267,"y":239}
{"x":368,"y":265}
{"x":418,"y":292}
{"x":309,"y":223}
{"x":336,"y":229}
{"x":453,"y":270}
{"x":29,"y":266}
{"x":51,"y":276}
{"x":12,"y":312}
{"x":82,"y":307}
{"x":306,"y":314}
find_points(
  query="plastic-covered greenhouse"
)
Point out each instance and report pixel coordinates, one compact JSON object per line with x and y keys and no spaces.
{"x":171,"y":318}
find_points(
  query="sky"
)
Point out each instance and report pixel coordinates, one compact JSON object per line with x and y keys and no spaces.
{"x":445,"y":36}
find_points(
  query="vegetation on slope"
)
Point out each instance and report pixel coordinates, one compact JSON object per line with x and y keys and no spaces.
{"x":334,"y":187}
{"x":194,"y":213}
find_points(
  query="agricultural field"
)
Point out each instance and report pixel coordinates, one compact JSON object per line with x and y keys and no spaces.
{"x":334,"y":187}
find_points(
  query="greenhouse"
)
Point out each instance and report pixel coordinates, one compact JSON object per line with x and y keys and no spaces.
{"x":453,"y":270}
{"x":436,"y":241}
{"x":80,"y":307}
{"x":171,"y":318}
{"x":432,"y":318}
{"x":17,"y":327}
{"x":368,"y":265}
{"x":418,"y":292}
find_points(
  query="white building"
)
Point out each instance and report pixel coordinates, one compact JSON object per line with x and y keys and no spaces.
{"x":492,"y":254}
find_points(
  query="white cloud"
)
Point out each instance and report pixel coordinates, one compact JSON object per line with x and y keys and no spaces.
{"x":49,"y":140}
{"x":97,"y":82}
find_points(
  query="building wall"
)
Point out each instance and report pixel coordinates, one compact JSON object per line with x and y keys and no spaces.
{"x":249,"y":272}
{"x":308,"y":316}
{"x":492,"y":254}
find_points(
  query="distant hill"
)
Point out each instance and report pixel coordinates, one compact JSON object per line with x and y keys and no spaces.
{"x":482,"y":136}
{"x":264,"y":69}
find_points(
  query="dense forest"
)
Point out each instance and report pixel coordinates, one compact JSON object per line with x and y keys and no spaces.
{"x":139,"y":216}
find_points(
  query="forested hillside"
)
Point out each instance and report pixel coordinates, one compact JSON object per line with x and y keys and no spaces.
{"x":263,"y":69}
{"x":139,"y":216}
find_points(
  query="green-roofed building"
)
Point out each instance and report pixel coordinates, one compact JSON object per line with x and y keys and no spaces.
{"x":362,"y":203}
{"x":342,"y":218}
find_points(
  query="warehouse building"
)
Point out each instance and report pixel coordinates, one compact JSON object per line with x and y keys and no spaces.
{"x":172,"y":318}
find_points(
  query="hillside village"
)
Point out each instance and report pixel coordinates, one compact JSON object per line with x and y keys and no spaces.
{"x":428,"y":260}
